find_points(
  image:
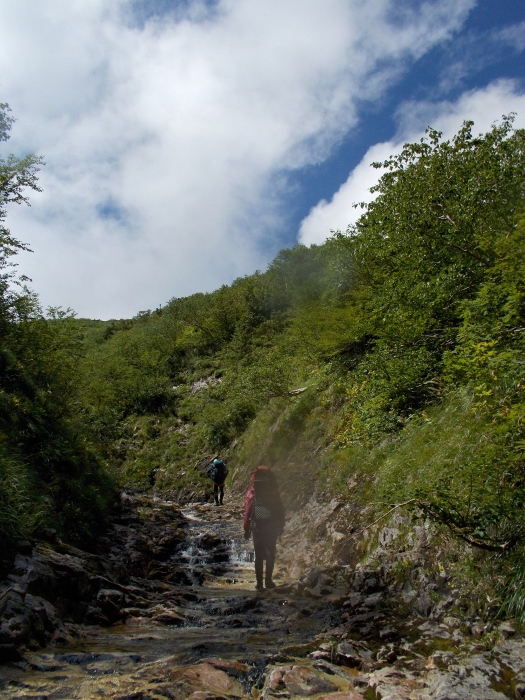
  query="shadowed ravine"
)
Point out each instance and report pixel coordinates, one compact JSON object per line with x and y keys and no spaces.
{"x":168,"y":609}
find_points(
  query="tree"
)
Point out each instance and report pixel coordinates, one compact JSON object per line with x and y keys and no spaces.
{"x":16,"y":176}
{"x":49,"y":474}
{"x":424,"y":246}
{"x":426,"y":242}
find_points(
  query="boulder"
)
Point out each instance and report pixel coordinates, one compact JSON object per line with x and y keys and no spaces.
{"x":204,"y":677}
{"x":302,"y":681}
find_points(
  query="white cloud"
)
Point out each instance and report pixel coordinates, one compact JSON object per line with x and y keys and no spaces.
{"x":513,"y":35}
{"x":185,"y":128}
{"x":484,"y":107}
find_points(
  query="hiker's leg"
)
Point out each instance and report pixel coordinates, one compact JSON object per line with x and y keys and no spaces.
{"x":260,"y":551}
{"x":259,"y":566}
{"x":270,"y":563}
{"x":216,"y":494}
{"x":221,"y":493}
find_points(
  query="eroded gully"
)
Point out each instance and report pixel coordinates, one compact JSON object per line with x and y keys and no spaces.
{"x":196,"y":602}
{"x":167,"y":608}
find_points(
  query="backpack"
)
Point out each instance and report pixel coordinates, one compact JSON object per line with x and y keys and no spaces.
{"x":262,"y":511}
{"x":217,"y":471}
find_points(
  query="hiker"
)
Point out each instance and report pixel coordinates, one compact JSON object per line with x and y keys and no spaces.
{"x":264,"y":520}
{"x":218,"y":471}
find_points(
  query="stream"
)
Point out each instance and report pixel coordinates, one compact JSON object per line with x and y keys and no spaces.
{"x":167,"y":608}
{"x":210,"y":611}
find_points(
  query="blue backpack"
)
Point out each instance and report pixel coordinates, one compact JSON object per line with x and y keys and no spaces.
{"x":217,"y":471}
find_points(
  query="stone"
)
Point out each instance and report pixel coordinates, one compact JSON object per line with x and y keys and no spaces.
{"x":474,"y":678}
{"x":506,"y":630}
{"x":298,"y":680}
{"x":511,"y":653}
{"x":205,"y":677}
{"x":519,"y":690}
{"x":423,"y":604}
{"x":390,"y":682}
{"x":351,"y":655}
{"x":169,"y":617}
{"x":229,"y":666}
{"x":110,"y":601}
{"x":386,"y":654}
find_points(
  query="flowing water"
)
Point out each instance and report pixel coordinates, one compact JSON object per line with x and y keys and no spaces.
{"x":191,"y":625}
{"x":216,"y":614}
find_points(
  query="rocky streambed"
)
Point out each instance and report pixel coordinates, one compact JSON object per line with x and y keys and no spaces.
{"x":167,"y":608}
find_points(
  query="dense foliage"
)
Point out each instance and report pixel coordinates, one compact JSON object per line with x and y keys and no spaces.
{"x":49,"y":476}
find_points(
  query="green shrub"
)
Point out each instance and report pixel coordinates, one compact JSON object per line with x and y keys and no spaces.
{"x":453,"y":461}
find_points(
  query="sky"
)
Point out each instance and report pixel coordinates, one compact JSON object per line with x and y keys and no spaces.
{"x":186,"y":142}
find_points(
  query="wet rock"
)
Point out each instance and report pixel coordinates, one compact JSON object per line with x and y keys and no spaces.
{"x":209,"y":541}
{"x":297,"y":680}
{"x":204,"y":677}
{"x":368,"y":625}
{"x":110,"y":602}
{"x":169,"y":617}
{"x":82,"y":659}
{"x":374,"y":642}
{"x":26,"y":620}
{"x":232,"y":668}
{"x":332,"y":669}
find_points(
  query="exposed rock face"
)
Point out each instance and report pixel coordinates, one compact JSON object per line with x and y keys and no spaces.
{"x":55,"y":586}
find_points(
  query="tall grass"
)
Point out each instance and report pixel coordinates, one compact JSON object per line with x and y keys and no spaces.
{"x":23,"y":506}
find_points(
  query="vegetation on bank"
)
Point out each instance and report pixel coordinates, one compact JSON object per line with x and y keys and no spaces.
{"x":386,"y":364}
{"x":50,"y":475}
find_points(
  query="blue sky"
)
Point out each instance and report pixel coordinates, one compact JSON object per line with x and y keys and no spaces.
{"x":187,"y":141}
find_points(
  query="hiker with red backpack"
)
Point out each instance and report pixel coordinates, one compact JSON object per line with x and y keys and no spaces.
{"x":264,"y":520}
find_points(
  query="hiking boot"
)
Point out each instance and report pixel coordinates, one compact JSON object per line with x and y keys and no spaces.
{"x":270,"y":584}
{"x":259,"y":587}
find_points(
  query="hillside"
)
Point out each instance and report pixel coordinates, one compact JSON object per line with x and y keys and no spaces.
{"x":383,"y":369}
